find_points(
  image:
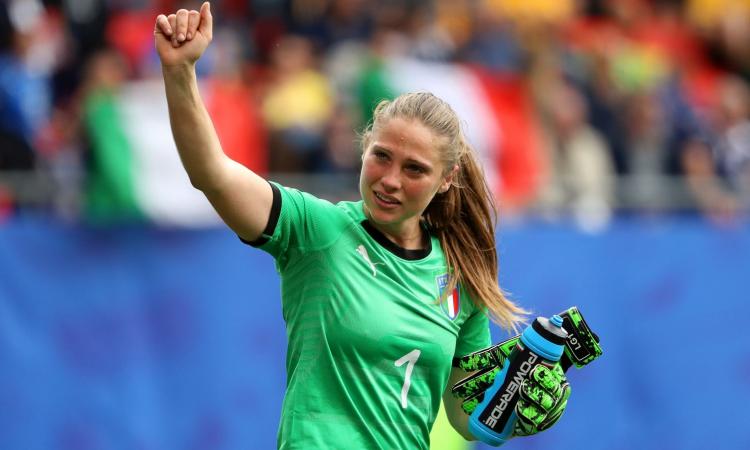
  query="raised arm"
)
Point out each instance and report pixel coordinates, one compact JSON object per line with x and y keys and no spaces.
{"x":241,"y":197}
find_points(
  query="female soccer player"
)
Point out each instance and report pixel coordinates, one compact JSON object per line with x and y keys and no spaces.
{"x":378,"y":295}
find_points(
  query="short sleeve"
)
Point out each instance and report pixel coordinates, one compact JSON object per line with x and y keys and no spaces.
{"x":298,"y":221}
{"x":474,"y":334}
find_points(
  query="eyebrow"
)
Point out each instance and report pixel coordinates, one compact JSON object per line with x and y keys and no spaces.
{"x":424,"y":164}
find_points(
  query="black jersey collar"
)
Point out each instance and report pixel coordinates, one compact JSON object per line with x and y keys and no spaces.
{"x":394,"y":248}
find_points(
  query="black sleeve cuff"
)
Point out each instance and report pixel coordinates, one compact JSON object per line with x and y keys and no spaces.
{"x":273,"y":219}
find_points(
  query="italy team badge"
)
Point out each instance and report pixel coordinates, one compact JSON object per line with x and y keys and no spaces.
{"x":452,"y":303}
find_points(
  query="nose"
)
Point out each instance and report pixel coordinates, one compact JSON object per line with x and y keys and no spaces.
{"x":391,"y":180}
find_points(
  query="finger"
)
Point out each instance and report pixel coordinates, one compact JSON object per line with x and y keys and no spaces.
{"x":162,"y":26}
{"x":530,"y":413}
{"x":471,"y":403}
{"x":182,"y":24}
{"x":554,"y":415}
{"x":533,"y":417}
{"x":194,"y":19}
{"x":479,"y":360}
{"x":523,"y":428}
{"x":546,"y":378}
{"x":172,"y":19}
{"x":474,"y":383}
{"x":566,"y":392}
{"x":207,"y":21}
{"x":558,"y":371}
{"x":529,"y":419}
{"x":475,"y":361}
{"x":551,"y":419}
{"x":543,"y":388}
{"x":532,"y":393}
{"x":485,"y":358}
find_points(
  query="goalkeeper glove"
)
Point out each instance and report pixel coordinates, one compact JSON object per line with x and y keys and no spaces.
{"x":544,"y":394}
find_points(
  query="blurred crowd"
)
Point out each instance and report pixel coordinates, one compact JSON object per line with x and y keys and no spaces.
{"x":583,"y":108}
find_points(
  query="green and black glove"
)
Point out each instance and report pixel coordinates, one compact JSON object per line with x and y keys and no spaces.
{"x":544,"y":394}
{"x":542,"y":400}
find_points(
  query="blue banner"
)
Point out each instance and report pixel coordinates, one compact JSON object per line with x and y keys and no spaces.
{"x":142,"y":338}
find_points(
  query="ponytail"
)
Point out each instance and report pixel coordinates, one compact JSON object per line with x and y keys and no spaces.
{"x":464,"y":219}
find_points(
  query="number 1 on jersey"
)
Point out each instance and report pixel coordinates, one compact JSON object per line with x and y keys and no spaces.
{"x":410,"y":358}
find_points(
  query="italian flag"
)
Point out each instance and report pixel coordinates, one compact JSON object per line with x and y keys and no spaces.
{"x":135,"y":172}
{"x":494,"y":108}
{"x":452,"y":303}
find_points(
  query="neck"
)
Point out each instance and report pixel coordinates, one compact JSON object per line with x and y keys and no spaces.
{"x":408,"y":235}
{"x":407,"y":239}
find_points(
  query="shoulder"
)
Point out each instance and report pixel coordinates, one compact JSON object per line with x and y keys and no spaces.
{"x":315,"y":214}
{"x":352,"y":210}
{"x":301,"y":201}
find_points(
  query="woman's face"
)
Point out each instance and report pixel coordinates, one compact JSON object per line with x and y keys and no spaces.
{"x":401,"y":173}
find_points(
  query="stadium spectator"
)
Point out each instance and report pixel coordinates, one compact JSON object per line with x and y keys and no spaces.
{"x":231,"y":103}
{"x":297,"y":106}
{"x":580,"y":175}
{"x":25,"y":98}
{"x":329,"y":23}
{"x":718,"y":170}
{"x":646,"y":153}
{"x":650,"y":72}
{"x":110,"y":192}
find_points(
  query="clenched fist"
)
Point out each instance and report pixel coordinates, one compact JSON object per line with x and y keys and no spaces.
{"x":182,"y":37}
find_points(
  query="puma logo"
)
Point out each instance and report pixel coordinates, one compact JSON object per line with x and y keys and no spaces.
{"x":363,"y":252}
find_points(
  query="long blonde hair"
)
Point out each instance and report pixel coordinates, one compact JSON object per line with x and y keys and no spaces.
{"x":464,"y":217}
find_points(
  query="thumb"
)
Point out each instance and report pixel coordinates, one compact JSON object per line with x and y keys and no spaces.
{"x":207,"y":21}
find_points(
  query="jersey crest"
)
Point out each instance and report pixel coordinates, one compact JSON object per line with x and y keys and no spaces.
{"x":452,"y":303}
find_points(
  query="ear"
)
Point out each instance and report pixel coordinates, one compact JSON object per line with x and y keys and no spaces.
{"x":448,"y":180}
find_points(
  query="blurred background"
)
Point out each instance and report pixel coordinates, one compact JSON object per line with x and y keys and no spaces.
{"x":615,"y":135}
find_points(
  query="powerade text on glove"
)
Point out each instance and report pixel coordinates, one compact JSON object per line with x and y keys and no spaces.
{"x":542,"y":342}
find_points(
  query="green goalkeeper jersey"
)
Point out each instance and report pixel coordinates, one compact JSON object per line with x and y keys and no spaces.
{"x":370,"y":348}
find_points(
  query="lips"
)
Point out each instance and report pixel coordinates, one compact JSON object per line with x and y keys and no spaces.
{"x":387,"y":199}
